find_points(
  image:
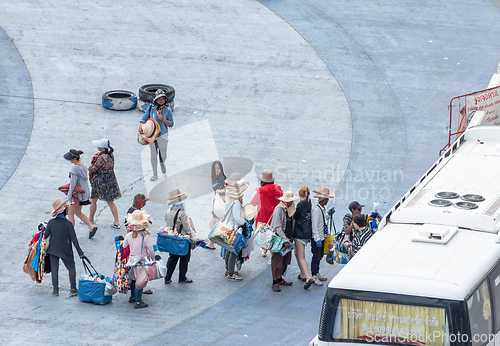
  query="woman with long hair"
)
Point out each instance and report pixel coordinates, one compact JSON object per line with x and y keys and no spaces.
{"x":302,"y":231}
{"x":218,"y":179}
{"x":78,"y":176}
{"x":103,"y":180}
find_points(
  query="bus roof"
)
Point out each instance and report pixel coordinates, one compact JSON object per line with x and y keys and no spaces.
{"x":436,"y":251}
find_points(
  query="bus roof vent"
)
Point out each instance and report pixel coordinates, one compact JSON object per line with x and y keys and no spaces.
{"x":447,"y":195}
{"x":493,"y":208}
{"x":440,"y":203}
{"x":466,"y":205}
{"x":435,"y":234}
{"x":470,"y":197}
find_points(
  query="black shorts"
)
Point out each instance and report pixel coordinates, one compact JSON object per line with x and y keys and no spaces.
{"x":87,"y":202}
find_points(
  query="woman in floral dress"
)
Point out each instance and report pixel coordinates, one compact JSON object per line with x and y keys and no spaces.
{"x":103,"y":180}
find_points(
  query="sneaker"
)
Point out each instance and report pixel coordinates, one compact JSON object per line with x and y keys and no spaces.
{"x":187,"y":281}
{"x":309,"y":283}
{"x":321,"y":277}
{"x":73,"y":292}
{"x":168,"y":281}
{"x":131,"y":300}
{"x":317,"y":281}
{"x":55,"y":292}
{"x":147,"y":292}
{"x":301,"y":278}
{"x":93,"y":232}
{"x":276,"y":288}
{"x":234,"y":277}
{"x":163,"y":168}
{"x":140,"y":305}
{"x":153,"y":178}
{"x":114,"y":226}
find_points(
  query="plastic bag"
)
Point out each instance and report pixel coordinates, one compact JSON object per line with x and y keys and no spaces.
{"x":263,"y":236}
{"x":109,"y":289}
{"x":277,"y":244}
{"x":141,"y":277}
{"x":219,"y":206}
{"x":162,"y":267}
{"x":133,"y":261}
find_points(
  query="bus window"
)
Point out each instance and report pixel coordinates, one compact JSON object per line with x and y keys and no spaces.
{"x":495,"y":288}
{"x":480,"y":318}
{"x":390,"y":323}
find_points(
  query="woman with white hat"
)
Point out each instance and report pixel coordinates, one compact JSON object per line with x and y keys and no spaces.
{"x":140,"y":245}
{"x":319,"y":216}
{"x":163,"y":115}
{"x":178,"y":219}
{"x":79,"y":176}
{"x":282,"y":224}
{"x":103,"y":180}
{"x":62,"y":235}
{"x":235,"y":189}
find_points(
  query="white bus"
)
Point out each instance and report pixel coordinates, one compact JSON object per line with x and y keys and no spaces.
{"x":431,"y":274}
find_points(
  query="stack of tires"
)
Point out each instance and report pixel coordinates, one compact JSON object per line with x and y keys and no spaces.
{"x":147,"y":94}
{"x":123,"y":100}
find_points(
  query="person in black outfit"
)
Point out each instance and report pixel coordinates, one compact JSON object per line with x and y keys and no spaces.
{"x":62,"y":235}
{"x":302,"y":234}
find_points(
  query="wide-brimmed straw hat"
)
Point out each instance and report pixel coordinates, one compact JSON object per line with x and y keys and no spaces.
{"x":288,"y":197}
{"x":59,"y":205}
{"x":267,"y":176}
{"x":323,"y":192}
{"x":150,"y":130}
{"x":248,"y":212}
{"x":139,"y":219}
{"x":101,"y":143}
{"x":159,"y":93}
{"x":176,"y":196}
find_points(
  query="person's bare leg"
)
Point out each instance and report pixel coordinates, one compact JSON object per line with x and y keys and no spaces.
{"x":71,"y":214}
{"x":213,"y":221}
{"x":300,"y":250}
{"x":114,"y":211}
{"x":93,"y":209}
{"x":83,"y":217}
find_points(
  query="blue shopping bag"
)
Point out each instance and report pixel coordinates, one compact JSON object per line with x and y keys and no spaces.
{"x":91,"y":291}
{"x":175,"y":245}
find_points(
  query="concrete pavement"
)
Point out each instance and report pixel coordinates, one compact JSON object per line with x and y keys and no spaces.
{"x":291,"y":88}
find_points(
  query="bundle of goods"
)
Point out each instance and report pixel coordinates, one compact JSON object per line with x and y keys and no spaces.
{"x":120,"y":278}
{"x":224,"y":235}
{"x":341,"y":252}
{"x":34,"y":265}
{"x":94,"y":287}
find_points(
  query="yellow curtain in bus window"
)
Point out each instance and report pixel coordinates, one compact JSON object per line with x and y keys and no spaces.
{"x":382,"y":322}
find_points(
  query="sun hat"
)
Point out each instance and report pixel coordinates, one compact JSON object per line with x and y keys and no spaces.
{"x":237,"y":190}
{"x":248,"y":212}
{"x":59,"y":205}
{"x":159,"y":93}
{"x":323,"y":192}
{"x":176,"y":196}
{"x":150,"y":130}
{"x":267,"y":176}
{"x":139,"y":219}
{"x":101,"y":143}
{"x":288,"y":197}
{"x":233,"y":178}
{"x":355,"y":206}
{"x":70,"y":156}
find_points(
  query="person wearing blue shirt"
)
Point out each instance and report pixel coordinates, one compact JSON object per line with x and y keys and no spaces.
{"x":163,"y":115}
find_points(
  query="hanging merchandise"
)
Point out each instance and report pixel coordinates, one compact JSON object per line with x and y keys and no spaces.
{"x":120,"y":278}
{"x":35,"y":260}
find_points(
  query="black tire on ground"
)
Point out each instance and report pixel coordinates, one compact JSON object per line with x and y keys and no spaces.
{"x":147,"y":92}
{"x":119,"y":100}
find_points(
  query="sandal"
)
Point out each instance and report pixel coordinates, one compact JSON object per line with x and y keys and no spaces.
{"x":285,"y":283}
{"x":276,"y":288}
{"x":148,"y":292}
